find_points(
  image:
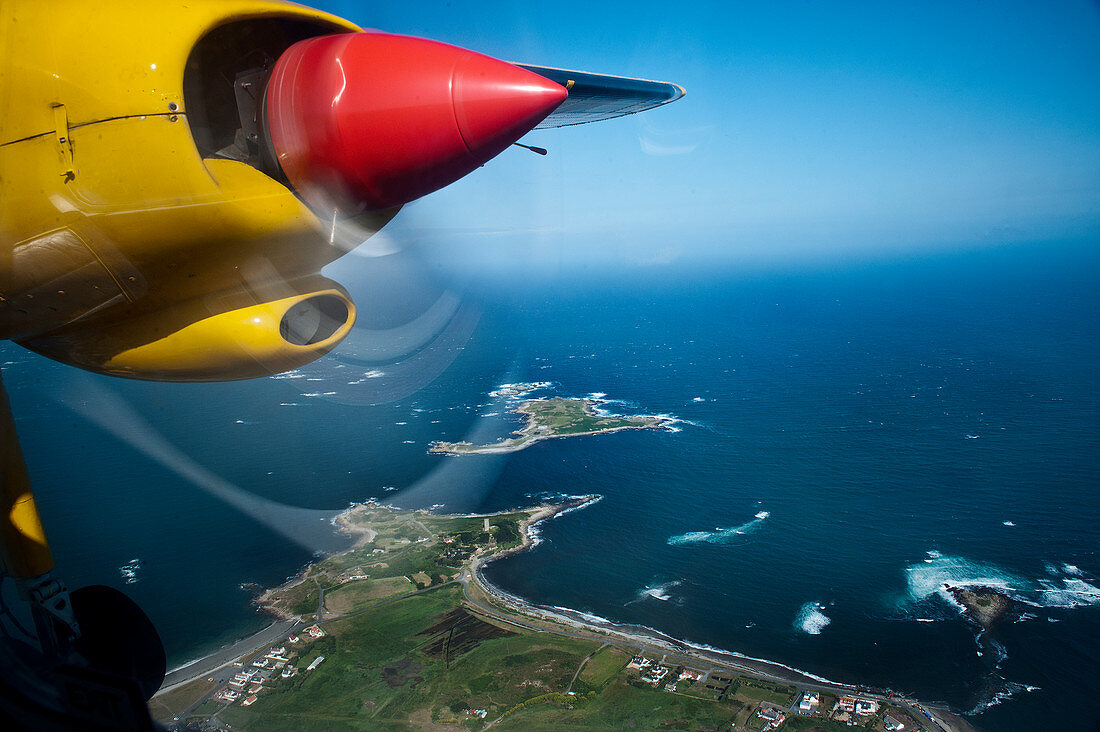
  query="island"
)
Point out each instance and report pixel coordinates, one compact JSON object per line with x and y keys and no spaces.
{"x":403,"y":631}
{"x":984,"y":605}
{"x":557,"y":417}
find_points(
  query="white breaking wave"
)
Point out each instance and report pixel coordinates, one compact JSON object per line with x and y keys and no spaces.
{"x":1067,"y":586}
{"x":931,"y":576}
{"x":1008,"y":523}
{"x":520,"y":390}
{"x":588,"y":617}
{"x":1010,"y":689}
{"x":1073,"y":593}
{"x":720,"y":535}
{"x":810,"y":618}
{"x":659,"y":592}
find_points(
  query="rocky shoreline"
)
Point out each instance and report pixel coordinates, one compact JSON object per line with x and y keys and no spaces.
{"x":984,"y":605}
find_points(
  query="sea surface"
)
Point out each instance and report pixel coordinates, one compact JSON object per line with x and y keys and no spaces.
{"x":850,"y":438}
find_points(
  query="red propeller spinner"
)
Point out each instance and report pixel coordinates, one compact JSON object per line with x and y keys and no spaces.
{"x":366,"y":121}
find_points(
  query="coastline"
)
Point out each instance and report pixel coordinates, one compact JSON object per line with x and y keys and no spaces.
{"x":638,"y":635}
{"x":648,"y":639}
{"x":485,"y":598}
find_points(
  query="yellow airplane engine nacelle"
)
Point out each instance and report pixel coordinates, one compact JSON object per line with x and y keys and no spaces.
{"x":217,"y":338}
{"x":139,"y":235}
{"x":169,"y":182}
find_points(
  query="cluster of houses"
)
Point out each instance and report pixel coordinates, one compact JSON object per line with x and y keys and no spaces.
{"x":847,"y":708}
{"x":850,"y":708}
{"x":651,"y":671}
{"x":250,"y":680}
{"x":655,"y":673}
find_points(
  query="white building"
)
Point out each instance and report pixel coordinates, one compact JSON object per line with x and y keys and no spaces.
{"x":866,"y":707}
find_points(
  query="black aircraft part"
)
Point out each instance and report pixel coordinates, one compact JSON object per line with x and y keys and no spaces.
{"x":117,"y":637}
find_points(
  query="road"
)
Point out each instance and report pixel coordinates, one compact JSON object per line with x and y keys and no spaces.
{"x":801,"y":684}
{"x":426,"y":529}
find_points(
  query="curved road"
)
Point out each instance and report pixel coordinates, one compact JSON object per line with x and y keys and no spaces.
{"x":802,"y":685}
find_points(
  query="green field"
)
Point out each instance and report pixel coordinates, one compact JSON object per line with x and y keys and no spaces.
{"x":759,"y":695}
{"x":408,"y":550}
{"x":360,"y":593}
{"x":571,"y":416}
{"x":602,"y":667}
{"x":424,"y":661}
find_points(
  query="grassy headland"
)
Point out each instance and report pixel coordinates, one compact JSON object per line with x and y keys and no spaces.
{"x":411,"y":637}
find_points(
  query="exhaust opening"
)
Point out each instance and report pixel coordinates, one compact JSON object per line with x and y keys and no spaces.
{"x":313,"y":320}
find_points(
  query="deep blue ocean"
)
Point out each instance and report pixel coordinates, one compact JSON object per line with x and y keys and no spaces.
{"x":852,"y":436}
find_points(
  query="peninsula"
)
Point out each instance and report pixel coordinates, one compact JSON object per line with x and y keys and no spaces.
{"x":403,"y":631}
{"x":557,"y":417}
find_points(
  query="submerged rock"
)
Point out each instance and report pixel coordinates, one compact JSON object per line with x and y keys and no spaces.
{"x":984,"y":605}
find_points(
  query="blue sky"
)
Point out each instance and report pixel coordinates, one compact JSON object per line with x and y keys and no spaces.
{"x":809,"y":130}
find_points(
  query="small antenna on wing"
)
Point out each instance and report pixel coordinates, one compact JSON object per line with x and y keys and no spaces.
{"x":538,"y":150}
